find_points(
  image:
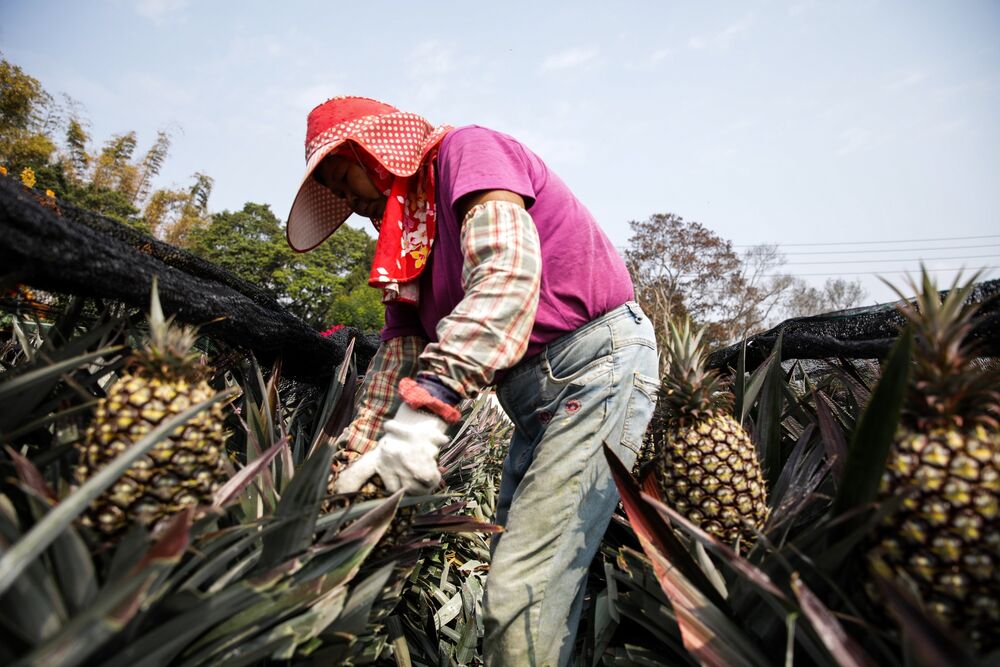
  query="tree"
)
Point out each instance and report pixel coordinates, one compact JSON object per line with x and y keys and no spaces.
{"x":246,"y":243}
{"x":191,"y":212}
{"x":113,"y":168}
{"x":150,"y":166}
{"x":77,"y":159}
{"x":326,"y":286}
{"x":803,"y":300}
{"x":26,"y":116}
{"x":683,"y":268}
{"x":329,"y":284}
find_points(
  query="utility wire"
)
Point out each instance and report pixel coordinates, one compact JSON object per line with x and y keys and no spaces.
{"x":846,"y":274}
{"x":859,"y":252}
{"x":800,"y":245}
{"x":858,"y":273}
{"x":907,"y":259}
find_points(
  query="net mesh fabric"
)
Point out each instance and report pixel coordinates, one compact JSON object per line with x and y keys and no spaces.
{"x":73,"y":251}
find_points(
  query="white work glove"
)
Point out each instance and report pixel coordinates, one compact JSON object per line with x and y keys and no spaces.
{"x":405,"y":458}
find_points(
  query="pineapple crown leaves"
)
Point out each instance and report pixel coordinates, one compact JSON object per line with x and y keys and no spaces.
{"x":170,"y":348}
{"x":947,"y":389}
{"x":690,"y":392}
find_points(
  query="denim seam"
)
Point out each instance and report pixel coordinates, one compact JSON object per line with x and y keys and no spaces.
{"x":606,"y":319}
{"x":575,"y":377}
{"x":577,"y":486}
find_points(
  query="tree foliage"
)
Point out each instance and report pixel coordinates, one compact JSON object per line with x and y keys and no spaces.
{"x":803,"y":300}
{"x":682,"y":268}
{"x":324,"y":287}
{"x":25,"y":119}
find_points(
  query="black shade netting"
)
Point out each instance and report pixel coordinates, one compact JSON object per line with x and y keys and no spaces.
{"x":859,"y":333}
{"x":52,"y":246}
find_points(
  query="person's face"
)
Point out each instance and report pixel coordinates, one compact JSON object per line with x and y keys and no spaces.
{"x":348,"y":180}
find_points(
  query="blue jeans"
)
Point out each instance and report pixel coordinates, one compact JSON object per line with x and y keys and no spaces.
{"x":597,"y":384}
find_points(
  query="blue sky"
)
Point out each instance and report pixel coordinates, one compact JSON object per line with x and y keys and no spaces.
{"x":797,"y":122}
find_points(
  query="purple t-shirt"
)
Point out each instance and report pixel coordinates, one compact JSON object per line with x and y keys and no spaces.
{"x":583,"y":276}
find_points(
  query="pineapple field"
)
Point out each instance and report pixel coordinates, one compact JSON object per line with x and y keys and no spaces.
{"x":806,"y":497}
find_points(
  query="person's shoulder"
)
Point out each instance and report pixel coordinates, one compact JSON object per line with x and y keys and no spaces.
{"x":476,"y":135}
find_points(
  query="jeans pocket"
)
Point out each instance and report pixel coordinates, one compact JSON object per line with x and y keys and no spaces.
{"x":578,"y":374}
{"x":577,"y":358}
{"x":639,"y":410}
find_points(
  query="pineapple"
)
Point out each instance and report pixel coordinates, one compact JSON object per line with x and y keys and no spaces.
{"x":945,"y":463}
{"x":706,"y":465}
{"x":163,"y":379}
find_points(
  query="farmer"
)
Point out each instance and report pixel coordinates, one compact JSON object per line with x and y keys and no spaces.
{"x":492,"y":274}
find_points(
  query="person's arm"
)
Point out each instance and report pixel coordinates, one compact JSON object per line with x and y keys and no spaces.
{"x":378,"y":399}
{"x":488,"y":330}
{"x":490,"y":327}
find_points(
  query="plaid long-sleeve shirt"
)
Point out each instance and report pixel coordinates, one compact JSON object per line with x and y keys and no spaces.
{"x":487,"y":331}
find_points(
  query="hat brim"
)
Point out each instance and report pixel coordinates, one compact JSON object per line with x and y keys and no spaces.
{"x":316,"y":212}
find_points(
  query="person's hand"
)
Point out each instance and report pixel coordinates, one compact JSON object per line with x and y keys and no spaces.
{"x":405,"y":458}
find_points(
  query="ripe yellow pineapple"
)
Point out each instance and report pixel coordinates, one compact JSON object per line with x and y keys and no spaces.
{"x":707,"y":466}
{"x":945,"y":462}
{"x":163,"y":379}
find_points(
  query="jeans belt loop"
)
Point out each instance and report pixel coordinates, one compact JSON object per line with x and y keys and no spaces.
{"x":634,"y":309}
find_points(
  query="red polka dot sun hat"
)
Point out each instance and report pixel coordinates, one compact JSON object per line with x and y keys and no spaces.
{"x":397,"y":140}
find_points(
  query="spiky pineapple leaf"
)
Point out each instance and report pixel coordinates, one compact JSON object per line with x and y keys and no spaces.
{"x":746,"y":569}
{"x":19,"y":394}
{"x":70,"y":561}
{"x":873,"y":435}
{"x":767,"y":425}
{"x":328,"y":568}
{"x":740,"y":382}
{"x":116,"y":604}
{"x":298,"y":510}
{"x":238,"y":482}
{"x":834,"y":438}
{"x":753,"y":386}
{"x":706,"y":630}
{"x":162,"y":642}
{"x":22,"y":554}
{"x":652,"y":530}
{"x":300,"y":503}
{"x":844,"y":650}
{"x":338,"y":406}
{"x":31,"y":609}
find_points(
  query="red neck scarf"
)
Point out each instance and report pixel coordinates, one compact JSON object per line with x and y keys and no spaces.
{"x":407,"y":229}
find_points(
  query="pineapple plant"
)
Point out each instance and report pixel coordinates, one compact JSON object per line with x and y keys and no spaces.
{"x":706,"y":465}
{"x":163,"y":378}
{"x":264,"y":576}
{"x":945,"y":464}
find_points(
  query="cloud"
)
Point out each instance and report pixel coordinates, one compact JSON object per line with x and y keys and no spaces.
{"x":159,"y":10}
{"x":798,"y":8}
{"x":570,"y":59}
{"x":722,"y":39}
{"x":855,"y":139}
{"x":432,"y":68}
{"x":907,"y":80}
{"x":660,"y":55}
{"x":431,"y":58}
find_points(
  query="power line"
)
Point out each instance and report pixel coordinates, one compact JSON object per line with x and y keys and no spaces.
{"x":801,"y":245}
{"x":860,"y":273}
{"x":910,"y":259}
{"x":858,"y":252}
{"x":846,"y":274}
